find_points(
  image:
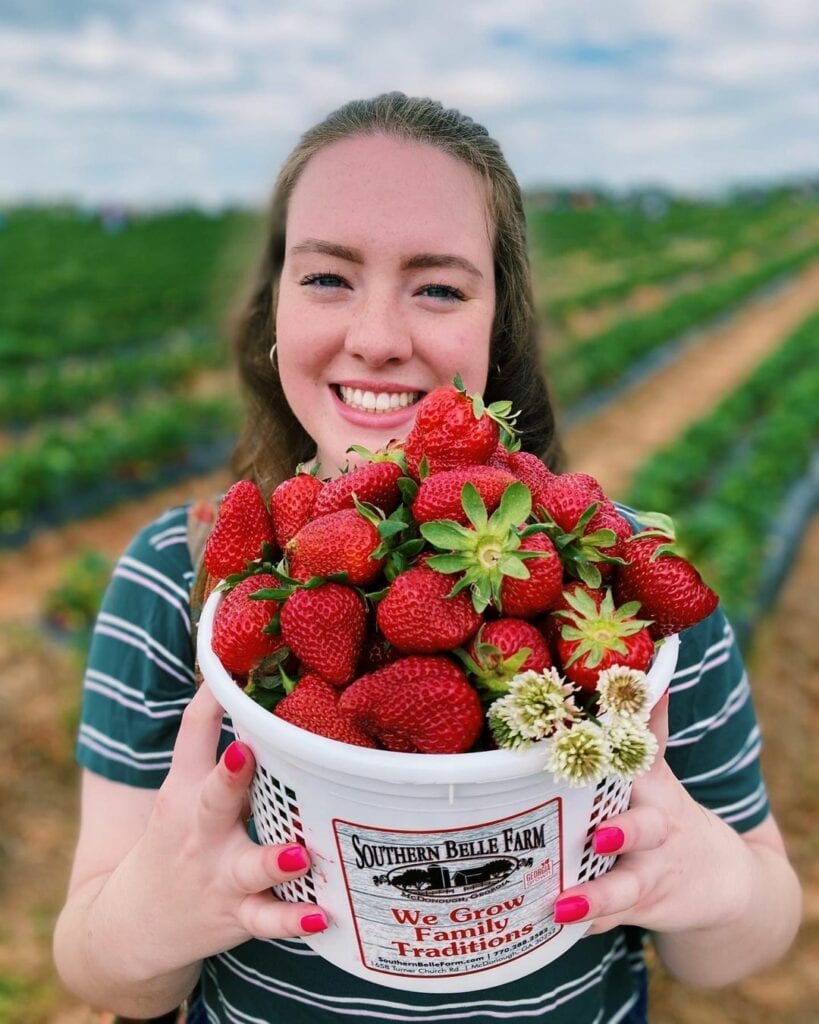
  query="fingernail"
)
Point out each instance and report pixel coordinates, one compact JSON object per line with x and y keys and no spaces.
{"x":570,"y":908}
{"x":234,"y":758}
{"x":313,"y":923}
{"x":608,"y":839}
{"x":294,"y":858}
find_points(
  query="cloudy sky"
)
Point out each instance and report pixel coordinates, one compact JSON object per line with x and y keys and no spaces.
{"x":157,"y":101}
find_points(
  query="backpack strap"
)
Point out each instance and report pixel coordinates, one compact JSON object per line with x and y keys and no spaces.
{"x":201,"y":520}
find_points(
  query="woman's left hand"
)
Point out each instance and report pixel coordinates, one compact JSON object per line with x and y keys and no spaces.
{"x":678,"y":868}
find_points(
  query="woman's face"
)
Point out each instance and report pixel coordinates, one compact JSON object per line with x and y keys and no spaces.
{"x":387,"y":290}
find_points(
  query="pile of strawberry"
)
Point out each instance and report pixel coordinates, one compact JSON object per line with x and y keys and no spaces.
{"x":390,"y":606}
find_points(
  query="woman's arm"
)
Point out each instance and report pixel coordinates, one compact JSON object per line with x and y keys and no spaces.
{"x":720,"y":904}
{"x":162,"y":879}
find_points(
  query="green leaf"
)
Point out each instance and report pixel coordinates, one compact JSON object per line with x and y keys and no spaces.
{"x":515,"y":506}
{"x":661,"y":522}
{"x":448,"y":535}
{"x":588,"y":573}
{"x":509,"y":565}
{"x":473,"y":506}
{"x":271,"y":594}
{"x":423,"y":468}
{"x":390,"y":527}
{"x":408,"y":489}
{"x":449,"y":563}
{"x":478,"y":406}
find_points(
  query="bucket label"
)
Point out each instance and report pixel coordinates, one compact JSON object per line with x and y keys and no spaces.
{"x":452,"y":901}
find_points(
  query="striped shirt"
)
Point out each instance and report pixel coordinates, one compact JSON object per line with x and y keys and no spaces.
{"x":140,"y":677}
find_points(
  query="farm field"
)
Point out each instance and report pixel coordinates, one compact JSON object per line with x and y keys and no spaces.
{"x":112,"y":362}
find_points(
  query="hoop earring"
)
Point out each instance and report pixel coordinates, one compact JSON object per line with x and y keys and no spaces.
{"x":273,"y":362}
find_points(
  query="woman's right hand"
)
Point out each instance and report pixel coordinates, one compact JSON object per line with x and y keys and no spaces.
{"x":208,"y":881}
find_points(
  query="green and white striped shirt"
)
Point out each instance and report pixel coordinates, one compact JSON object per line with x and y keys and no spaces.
{"x":138,"y":681}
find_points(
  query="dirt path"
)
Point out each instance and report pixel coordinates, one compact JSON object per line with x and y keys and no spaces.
{"x":612,"y":444}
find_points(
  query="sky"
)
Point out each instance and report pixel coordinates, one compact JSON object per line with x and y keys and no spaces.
{"x":157,"y":102}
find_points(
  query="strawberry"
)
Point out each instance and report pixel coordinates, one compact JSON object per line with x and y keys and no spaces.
{"x":243,"y":525}
{"x":378,"y":652}
{"x":567,"y":497}
{"x":324,"y":627}
{"x":313,"y":705}
{"x":417,"y":704}
{"x":417,"y":615}
{"x":439,"y":496}
{"x":527,"y":468}
{"x":502,"y":648}
{"x":292,"y":504}
{"x":453,"y":429}
{"x":669,"y":589}
{"x":597,"y":636}
{"x":341,"y":541}
{"x":527,"y":598}
{"x":550,"y":624}
{"x":238,"y":639}
{"x":375,"y":483}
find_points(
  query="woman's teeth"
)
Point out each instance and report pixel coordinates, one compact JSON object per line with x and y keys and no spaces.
{"x":378,"y":401}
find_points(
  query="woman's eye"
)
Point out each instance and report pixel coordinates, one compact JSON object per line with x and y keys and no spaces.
{"x":323,"y":280}
{"x":444,"y":291}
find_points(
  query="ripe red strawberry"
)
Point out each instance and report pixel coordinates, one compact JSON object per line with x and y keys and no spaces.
{"x":502,"y":648}
{"x":375,"y":483}
{"x":526,"y":598}
{"x":377,"y":653}
{"x":453,"y":429}
{"x":607,"y":518}
{"x":342,"y":541}
{"x":292,"y":504}
{"x":439,"y":495}
{"x":417,"y":616}
{"x":324,"y":627}
{"x":419,"y":705}
{"x":670,"y":590}
{"x":527,"y":468}
{"x":243,"y":524}
{"x":597,"y":636}
{"x":238,"y":640}
{"x":567,"y":497}
{"x":313,"y":705}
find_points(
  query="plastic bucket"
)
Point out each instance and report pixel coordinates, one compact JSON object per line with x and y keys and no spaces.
{"x":439,"y":872}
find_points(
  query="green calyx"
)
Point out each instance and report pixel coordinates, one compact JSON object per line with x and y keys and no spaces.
{"x":598,"y":629}
{"x":397,"y":550}
{"x":268,"y":683}
{"x":578,"y":550}
{"x":489,"y":670}
{"x":500,"y":412}
{"x":487,"y":552}
{"x":395,"y":455}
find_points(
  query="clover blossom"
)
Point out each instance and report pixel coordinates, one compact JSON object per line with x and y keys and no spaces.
{"x":632,"y":747}
{"x":580,"y":754}
{"x":624,"y":692}
{"x":536,"y":704}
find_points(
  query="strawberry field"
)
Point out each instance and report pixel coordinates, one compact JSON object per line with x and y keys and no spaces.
{"x":682,"y":334}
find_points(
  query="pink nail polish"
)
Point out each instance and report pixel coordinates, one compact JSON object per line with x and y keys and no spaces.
{"x":294,"y":858}
{"x":608,"y":839}
{"x":570,"y":908}
{"x":234,"y":758}
{"x":312,"y":923}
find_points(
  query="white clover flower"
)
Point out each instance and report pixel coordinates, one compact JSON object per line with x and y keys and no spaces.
{"x":502,"y":717}
{"x":632,"y":745}
{"x":543,"y":701}
{"x":624,"y":692}
{"x":579,"y":755}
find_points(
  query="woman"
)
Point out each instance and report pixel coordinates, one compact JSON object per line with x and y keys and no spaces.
{"x":395,"y":257}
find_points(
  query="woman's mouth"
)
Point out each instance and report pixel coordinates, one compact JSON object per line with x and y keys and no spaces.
{"x":376,"y":401}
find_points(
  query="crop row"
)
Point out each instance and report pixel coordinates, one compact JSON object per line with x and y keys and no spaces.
{"x":600,"y":361}
{"x":95,"y":460}
{"x":725,"y":478}
{"x":70,"y":386}
{"x":662,"y":268}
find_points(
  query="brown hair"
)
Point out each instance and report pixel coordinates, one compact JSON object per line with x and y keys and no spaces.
{"x":273,"y":441}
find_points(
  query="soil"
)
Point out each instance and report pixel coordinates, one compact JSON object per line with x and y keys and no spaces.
{"x":38,"y":703}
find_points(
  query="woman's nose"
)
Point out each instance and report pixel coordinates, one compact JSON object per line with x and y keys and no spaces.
{"x":378,"y":332}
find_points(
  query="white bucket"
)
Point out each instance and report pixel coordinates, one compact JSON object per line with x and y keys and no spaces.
{"x":439,"y":872}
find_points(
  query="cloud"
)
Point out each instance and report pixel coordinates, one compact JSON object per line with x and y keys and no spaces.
{"x":176,"y":99}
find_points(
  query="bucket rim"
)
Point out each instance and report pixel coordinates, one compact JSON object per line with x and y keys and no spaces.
{"x":284,"y":739}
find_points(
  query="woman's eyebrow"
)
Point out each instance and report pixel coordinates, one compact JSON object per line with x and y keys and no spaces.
{"x":422,"y":261}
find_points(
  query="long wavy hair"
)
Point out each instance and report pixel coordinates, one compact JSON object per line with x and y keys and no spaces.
{"x":272,"y":441}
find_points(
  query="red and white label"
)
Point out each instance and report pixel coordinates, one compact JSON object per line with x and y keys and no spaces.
{"x":453,"y":901}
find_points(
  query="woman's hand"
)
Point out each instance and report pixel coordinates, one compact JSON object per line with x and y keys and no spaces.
{"x":208,"y":881}
{"x":679,"y":867}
